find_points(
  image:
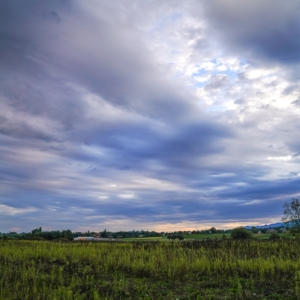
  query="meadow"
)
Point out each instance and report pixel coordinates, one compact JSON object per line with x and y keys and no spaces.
{"x":203,"y":236}
{"x":191,"y":269}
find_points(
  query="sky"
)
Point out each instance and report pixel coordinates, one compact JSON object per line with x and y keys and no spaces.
{"x":156,"y":115}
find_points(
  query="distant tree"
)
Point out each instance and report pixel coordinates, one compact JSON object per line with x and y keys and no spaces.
{"x":180,"y":237}
{"x":176,"y":236}
{"x":104,"y":234}
{"x":114,"y":235}
{"x":274,"y":236}
{"x":241,"y":233}
{"x":67,"y":234}
{"x":36,"y":232}
{"x":292,"y":213}
{"x":254,"y":229}
{"x":213,"y":230}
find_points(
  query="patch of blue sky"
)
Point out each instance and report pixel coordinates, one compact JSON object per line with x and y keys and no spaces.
{"x":231,"y":74}
{"x":200,"y":84}
{"x":200,"y":72}
{"x":243,"y":61}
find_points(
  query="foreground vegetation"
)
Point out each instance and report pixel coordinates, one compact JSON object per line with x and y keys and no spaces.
{"x":203,"y":269}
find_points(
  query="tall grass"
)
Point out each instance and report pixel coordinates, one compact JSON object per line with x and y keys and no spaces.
{"x":215,"y":269}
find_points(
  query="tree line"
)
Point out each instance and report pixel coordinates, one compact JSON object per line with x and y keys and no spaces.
{"x":291,"y":219}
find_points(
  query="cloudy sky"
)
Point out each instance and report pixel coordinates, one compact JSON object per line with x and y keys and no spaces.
{"x":156,"y":114}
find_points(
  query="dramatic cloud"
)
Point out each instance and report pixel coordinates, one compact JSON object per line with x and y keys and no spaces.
{"x":265,"y":29}
{"x":156,"y":115}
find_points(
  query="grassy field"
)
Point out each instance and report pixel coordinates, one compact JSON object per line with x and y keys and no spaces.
{"x":201,"y":269}
{"x":206,"y":236}
{"x":145,"y":239}
{"x":261,"y":236}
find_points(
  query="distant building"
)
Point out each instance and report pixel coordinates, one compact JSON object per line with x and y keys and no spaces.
{"x":85,"y":238}
{"x":91,"y":238}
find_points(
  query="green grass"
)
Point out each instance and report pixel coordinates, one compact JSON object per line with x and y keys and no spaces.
{"x":145,"y":239}
{"x":206,"y":236}
{"x":186,"y":236}
{"x":192,"y":269}
{"x":200,"y":236}
{"x":260,"y":236}
{"x":263,"y":236}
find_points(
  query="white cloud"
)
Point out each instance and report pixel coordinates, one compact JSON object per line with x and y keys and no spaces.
{"x":5,"y":209}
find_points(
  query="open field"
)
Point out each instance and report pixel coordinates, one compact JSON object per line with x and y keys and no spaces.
{"x":227,"y":235}
{"x":146,"y":239}
{"x":206,"y":236}
{"x":199,"y":236}
{"x":213,"y":269}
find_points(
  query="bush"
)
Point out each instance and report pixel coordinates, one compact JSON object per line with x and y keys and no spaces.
{"x":274,"y":236}
{"x":61,"y":240}
{"x":33,"y":238}
{"x":295,"y":232}
{"x":241,"y":233}
{"x":175,"y":236}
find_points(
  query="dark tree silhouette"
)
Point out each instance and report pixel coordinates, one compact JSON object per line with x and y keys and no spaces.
{"x":292,"y":213}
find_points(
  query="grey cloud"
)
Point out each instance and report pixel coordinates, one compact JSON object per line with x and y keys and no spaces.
{"x":296,"y":102}
{"x":240,"y":101}
{"x":267,"y":30}
{"x":217,"y":82}
{"x":290,"y":89}
{"x":293,"y":173}
{"x":114,"y":66}
{"x":124,"y":168}
{"x":261,"y":190}
{"x":88,"y":116}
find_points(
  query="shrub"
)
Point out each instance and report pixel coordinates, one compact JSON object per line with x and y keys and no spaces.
{"x":274,"y":236}
{"x":240,"y":233}
{"x":180,"y":237}
{"x":175,"y":236}
{"x":61,"y":240}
